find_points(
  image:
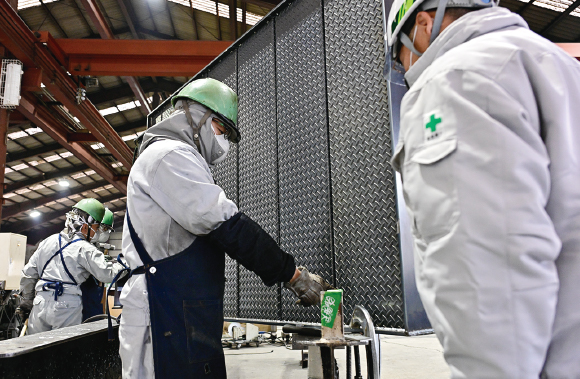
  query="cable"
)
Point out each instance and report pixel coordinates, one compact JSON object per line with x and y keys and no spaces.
{"x":95,"y":318}
{"x":266,"y":352}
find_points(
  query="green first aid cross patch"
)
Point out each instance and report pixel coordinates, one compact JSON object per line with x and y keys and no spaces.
{"x":433,"y":126}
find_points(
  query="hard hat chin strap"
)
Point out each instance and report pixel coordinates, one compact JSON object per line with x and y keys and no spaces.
{"x":438,"y":19}
{"x":196,"y":129}
{"x":405,"y":40}
{"x":437,"y":22}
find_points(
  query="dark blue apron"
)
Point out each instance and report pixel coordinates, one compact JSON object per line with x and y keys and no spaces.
{"x":58,"y":285}
{"x":92,"y":297}
{"x":186,"y":309}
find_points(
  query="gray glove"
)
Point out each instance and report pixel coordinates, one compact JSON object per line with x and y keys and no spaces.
{"x":307,"y":287}
{"x":24,"y":308}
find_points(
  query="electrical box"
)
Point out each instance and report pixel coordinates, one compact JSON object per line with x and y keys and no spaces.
{"x":12,"y":256}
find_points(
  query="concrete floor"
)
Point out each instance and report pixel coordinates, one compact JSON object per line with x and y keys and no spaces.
{"x":402,"y":358}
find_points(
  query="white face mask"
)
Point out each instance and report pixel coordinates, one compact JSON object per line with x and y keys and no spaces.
{"x":104,"y":236}
{"x":224,"y":145}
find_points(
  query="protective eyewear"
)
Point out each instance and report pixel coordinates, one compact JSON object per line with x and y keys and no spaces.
{"x":225,"y":129}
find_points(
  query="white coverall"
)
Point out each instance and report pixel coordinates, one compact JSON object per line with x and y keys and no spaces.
{"x":82,"y":259}
{"x":171,"y":197}
{"x":489,"y":152}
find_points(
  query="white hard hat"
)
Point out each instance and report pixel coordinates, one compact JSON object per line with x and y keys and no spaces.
{"x":401,"y":11}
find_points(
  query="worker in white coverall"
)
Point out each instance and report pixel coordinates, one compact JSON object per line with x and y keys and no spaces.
{"x":489,"y":154}
{"x":93,"y":289}
{"x":50,"y":283}
{"x":179,"y":224}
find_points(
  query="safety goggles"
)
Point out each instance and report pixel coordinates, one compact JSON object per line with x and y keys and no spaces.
{"x":225,"y":129}
{"x":105,"y":228}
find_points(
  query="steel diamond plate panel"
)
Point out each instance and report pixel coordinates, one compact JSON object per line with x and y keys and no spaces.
{"x":312,"y":167}
{"x":305,"y":223}
{"x":363,"y":185}
{"x":225,"y":175}
{"x":258,"y":179}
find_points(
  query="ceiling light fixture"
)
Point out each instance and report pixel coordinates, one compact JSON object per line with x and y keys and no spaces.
{"x":34,"y":214}
{"x":63,"y":183}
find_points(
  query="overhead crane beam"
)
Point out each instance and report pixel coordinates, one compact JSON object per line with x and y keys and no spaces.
{"x":25,"y":46}
{"x":40,"y":116}
{"x":138,"y":57}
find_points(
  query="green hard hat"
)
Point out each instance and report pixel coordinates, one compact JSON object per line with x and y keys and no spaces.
{"x":216,"y":96}
{"x":108,"y":218}
{"x":93,"y":207}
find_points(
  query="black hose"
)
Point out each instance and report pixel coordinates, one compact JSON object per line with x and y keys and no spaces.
{"x":357,"y":367}
{"x":348,"y":362}
{"x":95,"y":318}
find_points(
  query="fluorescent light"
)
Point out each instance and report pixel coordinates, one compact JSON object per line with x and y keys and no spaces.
{"x":63,"y":183}
{"x":34,"y":214}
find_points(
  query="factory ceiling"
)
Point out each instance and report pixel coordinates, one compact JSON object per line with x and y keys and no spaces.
{"x":59,"y":151}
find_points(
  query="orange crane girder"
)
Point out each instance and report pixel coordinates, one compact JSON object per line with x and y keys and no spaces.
{"x":138,"y":57}
{"x":26,"y":46}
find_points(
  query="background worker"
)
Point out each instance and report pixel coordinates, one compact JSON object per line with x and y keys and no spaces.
{"x":178,"y":225}
{"x":93,"y":289}
{"x":489,"y":153}
{"x":59,"y":266}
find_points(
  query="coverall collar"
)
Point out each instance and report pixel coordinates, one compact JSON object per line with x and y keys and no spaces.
{"x":468,"y":27}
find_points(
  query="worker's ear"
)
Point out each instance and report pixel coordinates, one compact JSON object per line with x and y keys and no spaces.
{"x":425,"y":20}
{"x":424,"y":24}
{"x":85,"y":229}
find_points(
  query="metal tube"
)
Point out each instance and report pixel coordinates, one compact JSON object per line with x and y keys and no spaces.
{"x":348,"y":362}
{"x":357,"y":363}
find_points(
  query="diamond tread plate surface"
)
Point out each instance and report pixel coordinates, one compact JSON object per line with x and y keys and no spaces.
{"x":225,"y":175}
{"x":258,"y":179}
{"x":363,"y":185}
{"x":305,"y":228}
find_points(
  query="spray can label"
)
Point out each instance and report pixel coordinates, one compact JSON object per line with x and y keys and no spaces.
{"x":329,"y":308}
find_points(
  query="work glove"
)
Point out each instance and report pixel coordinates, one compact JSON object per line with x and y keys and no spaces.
{"x":307,"y":287}
{"x":24,"y":308}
